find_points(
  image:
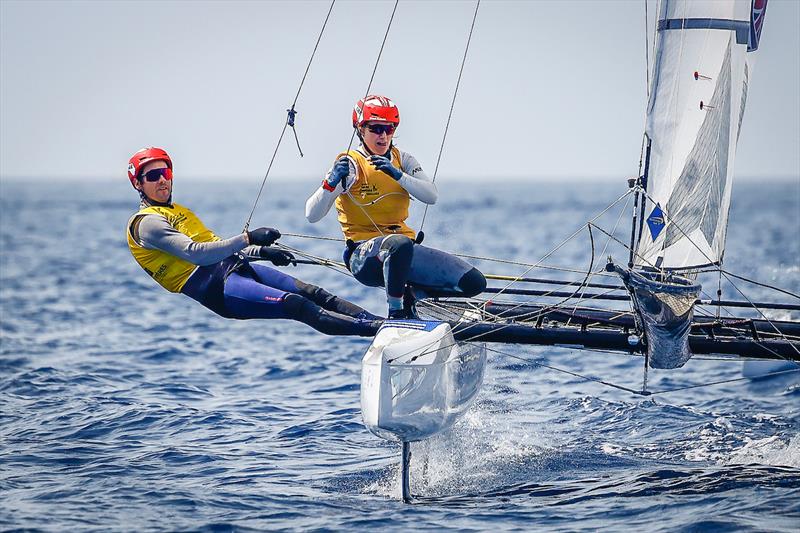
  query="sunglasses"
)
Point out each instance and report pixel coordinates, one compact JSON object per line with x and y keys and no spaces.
{"x":377,"y":129}
{"x":156,"y":174}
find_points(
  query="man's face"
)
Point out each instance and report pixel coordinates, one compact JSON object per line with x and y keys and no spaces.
{"x":159,"y":190}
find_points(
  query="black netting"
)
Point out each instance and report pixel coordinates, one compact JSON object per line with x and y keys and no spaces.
{"x":666,"y":309}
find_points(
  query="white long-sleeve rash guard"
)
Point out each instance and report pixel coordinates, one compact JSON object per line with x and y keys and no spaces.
{"x":414,"y":180}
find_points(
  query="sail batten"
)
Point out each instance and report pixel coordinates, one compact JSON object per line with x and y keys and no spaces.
{"x":694,"y":115}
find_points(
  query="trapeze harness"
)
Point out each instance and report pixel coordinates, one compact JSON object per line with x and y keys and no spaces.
{"x":235,"y":288}
{"x":383,"y":252}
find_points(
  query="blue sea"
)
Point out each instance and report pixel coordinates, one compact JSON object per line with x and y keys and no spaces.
{"x":126,"y":408}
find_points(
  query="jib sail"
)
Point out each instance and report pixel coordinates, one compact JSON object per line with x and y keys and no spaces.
{"x":697,"y":99}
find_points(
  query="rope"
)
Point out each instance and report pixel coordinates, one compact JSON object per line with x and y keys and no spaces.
{"x":761,"y":284}
{"x":760,"y":312}
{"x":551,"y":252}
{"x":565,"y":241}
{"x":452,"y":105}
{"x":646,"y":54}
{"x":725,"y":381}
{"x":545,"y":309}
{"x":290,"y":119}
{"x":633,"y":391}
{"x":777,"y":330}
{"x":571,"y":373}
{"x":429,"y":348}
{"x":602,"y":252}
{"x":541,"y":265}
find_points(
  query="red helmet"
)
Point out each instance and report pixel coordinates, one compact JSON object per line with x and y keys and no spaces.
{"x":144,"y":156}
{"x":375,"y":108}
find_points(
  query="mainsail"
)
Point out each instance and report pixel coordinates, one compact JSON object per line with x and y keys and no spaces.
{"x":694,"y":115}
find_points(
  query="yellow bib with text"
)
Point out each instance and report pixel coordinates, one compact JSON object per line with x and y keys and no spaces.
{"x":376,"y":204}
{"x":169,"y":271}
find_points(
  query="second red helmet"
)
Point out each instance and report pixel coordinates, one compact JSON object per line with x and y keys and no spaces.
{"x":144,"y":156}
{"x":375,"y":108}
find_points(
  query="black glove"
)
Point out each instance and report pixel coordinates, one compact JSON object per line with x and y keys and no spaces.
{"x":263,"y":236}
{"x":277,"y":257}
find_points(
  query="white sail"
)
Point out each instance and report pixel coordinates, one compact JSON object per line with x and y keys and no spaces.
{"x":697,"y":100}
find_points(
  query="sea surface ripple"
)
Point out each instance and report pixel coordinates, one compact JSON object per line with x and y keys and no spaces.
{"x":124,"y":407}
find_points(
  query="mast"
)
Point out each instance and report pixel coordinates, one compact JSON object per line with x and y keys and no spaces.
{"x":637,"y":223}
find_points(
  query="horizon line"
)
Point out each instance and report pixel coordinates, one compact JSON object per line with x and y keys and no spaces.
{"x":286,"y":179}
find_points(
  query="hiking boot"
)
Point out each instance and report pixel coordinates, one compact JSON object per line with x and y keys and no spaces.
{"x":410,"y":303}
{"x":400,"y":314}
{"x":366,"y":315}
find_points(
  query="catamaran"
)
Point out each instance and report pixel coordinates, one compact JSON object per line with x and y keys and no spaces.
{"x":420,"y":376}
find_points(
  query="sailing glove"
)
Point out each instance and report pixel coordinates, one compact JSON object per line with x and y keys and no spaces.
{"x":384,"y":165}
{"x":277,"y":257}
{"x":263,"y":236}
{"x":339,"y":172}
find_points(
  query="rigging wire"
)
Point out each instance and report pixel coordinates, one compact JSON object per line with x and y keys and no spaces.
{"x":551,"y":252}
{"x":569,"y":372}
{"x":543,"y":266}
{"x":547,"y":309}
{"x":355,"y":130}
{"x":627,"y":389}
{"x":603,"y":251}
{"x":452,"y":105}
{"x":565,"y":241}
{"x":442,"y":307}
{"x":742,"y":278}
{"x":760,"y":312}
{"x":429,"y":348}
{"x":712,"y":383}
{"x":290,"y":119}
{"x":779,"y":333}
{"x":646,"y":53}
{"x":315,"y":260}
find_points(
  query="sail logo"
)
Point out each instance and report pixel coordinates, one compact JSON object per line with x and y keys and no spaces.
{"x":756,"y":23}
{"x":656,"y":222}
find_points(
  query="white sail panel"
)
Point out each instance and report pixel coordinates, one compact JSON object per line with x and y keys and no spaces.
{"x":697,"y":99}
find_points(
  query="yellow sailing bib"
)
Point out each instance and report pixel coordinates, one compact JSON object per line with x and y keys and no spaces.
{"x":169,"y":271}
{"x":376,"y":204}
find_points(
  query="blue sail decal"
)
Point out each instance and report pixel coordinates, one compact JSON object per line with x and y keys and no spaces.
{"x":656,"y":221}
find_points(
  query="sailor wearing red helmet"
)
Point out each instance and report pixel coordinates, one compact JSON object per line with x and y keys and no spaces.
{"x":371,"y":187}
{"x":177,"y":250}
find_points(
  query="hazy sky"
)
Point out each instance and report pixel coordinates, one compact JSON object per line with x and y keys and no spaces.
{"x":550,"y":89}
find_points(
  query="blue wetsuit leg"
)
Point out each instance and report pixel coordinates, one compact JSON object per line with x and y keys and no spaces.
{"x":439,"y":273}
{"x":436,"y":272}
{"x":383,"y":262}
{"x":275,"y":278}
{"x":284,"y":282}
{"x":247,"y":296}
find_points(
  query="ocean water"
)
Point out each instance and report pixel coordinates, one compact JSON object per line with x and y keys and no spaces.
{"x":124,"y":407}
